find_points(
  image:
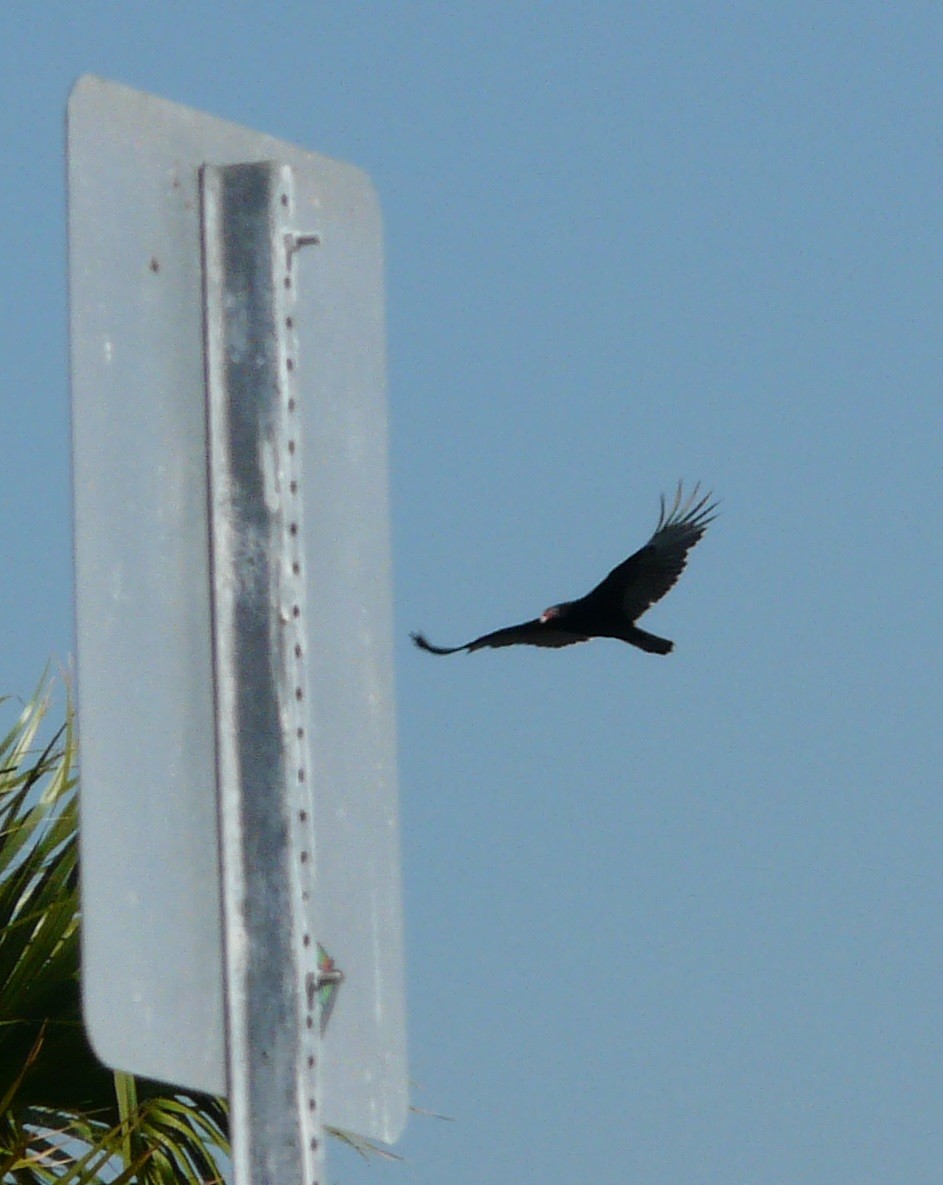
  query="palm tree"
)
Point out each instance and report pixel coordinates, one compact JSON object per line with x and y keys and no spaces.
{"x":64,"y":1117}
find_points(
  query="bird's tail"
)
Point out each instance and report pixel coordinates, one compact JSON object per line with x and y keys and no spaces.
{"x":650,"y":642}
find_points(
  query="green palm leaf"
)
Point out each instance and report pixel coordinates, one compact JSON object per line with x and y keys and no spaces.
{"x":64,"y":1117}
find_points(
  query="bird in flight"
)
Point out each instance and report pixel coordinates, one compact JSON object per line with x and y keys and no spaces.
{"x":616,"y":603}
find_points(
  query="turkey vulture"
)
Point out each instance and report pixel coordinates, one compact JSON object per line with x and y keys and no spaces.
{"x":616,"y":603}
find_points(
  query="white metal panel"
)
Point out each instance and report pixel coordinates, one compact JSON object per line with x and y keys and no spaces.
{"x":151,"y":920}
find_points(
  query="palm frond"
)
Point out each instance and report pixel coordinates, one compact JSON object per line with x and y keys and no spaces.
{"x":64,"y":1117}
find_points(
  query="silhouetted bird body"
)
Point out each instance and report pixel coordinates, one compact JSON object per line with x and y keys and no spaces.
{"x":611,"y":609}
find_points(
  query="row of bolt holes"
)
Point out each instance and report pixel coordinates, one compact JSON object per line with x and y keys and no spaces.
{"x":299,"y":694}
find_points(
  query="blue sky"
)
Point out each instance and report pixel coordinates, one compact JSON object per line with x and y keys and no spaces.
{"x":668,"y":920}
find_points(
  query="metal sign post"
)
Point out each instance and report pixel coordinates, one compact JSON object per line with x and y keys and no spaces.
{"x":204,"y":325}
{"x":258,"y":611}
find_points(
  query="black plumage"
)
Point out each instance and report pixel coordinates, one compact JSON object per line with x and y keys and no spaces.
{"x":611,"y":609}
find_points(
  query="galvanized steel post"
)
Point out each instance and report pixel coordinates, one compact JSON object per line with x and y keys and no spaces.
{"x":258,"y":607}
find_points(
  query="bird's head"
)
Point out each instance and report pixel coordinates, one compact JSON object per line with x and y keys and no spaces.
{"x":551,"y":614}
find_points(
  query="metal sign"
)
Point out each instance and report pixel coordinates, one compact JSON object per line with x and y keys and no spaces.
{"x":152,"y":936}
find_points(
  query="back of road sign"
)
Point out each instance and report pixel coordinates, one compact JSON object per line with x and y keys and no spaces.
{"x":152,"y":961}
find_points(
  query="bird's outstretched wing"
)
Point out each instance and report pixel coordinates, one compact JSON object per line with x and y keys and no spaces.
{"x":529,"y":633}
{"x":644,"y":578}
